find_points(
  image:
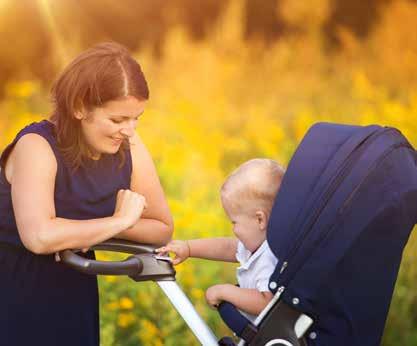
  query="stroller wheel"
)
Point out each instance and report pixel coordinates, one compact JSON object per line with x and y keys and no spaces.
{"x":281,"y":342}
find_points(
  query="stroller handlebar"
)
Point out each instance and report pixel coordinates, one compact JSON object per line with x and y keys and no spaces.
{"x":126,"y":246}
{"x":143,"y":265}
{"x":130,"y":266}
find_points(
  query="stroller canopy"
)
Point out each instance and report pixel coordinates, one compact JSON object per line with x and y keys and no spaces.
{"x":341,"y":219}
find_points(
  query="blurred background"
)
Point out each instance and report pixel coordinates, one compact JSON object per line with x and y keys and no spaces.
{"x":230,"y":80}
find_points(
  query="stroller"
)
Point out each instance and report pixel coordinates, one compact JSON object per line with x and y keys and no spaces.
{"x":343,"y":215}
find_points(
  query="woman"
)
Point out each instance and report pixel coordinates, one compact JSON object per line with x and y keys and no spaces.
{"x":70,"y":182}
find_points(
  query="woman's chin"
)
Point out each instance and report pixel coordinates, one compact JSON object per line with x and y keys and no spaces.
{"x":113,"y":149}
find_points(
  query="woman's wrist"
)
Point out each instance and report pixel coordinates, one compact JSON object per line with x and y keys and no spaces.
{"x":121,"y":222}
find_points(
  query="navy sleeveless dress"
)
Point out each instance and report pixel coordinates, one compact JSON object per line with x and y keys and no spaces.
{"x":43,"y":302}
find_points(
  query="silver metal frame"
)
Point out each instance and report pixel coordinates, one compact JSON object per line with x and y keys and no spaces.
{"x":184,"y":307}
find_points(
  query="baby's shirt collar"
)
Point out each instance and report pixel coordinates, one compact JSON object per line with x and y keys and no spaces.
{"x":244,"y":256}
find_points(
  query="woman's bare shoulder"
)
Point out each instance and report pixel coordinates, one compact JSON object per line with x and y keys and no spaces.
{"x":30,"y":151}
{"x":135,"y":139}
{"x":138,"y":149}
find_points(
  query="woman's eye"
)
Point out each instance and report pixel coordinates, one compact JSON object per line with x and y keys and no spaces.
{"x":116,"y":121}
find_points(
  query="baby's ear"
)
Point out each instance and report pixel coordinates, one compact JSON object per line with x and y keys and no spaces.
{"x":262,"y":220}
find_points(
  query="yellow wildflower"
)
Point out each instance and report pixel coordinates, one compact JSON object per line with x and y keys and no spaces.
{"x":126,"y":303}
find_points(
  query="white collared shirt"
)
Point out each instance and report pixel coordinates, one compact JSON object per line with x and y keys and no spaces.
{"x":255,"y":269}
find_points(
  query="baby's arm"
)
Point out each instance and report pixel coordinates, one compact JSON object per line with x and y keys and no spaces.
{"x":217,"y":249}
{"x":248,"y":300}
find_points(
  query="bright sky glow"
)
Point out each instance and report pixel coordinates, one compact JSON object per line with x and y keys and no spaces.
{"x":53,"y":29}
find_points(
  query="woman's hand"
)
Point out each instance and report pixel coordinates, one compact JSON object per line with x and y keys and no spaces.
{"x":180,"y":248}
{"x":129,"y":207}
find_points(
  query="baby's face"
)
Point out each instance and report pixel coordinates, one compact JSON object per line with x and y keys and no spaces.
{"x":246,"y":226}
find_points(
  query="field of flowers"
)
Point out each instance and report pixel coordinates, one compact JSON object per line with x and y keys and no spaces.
{"x":221,"y":101}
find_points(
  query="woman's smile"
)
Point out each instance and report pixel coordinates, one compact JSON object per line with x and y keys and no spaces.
{"x":116,"y":141}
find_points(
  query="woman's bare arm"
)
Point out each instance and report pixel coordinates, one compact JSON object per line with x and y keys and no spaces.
{"x":156,"y":224}
{"x":32,"y":179}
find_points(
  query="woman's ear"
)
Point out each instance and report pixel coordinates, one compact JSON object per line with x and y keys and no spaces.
{"x":79,"y":114}
{"x":262,"y":220}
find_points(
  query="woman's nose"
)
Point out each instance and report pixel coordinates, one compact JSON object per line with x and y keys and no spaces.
{"x":128,"y":130}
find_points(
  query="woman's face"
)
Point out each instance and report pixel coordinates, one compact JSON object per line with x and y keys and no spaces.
{"x":105,"y":128}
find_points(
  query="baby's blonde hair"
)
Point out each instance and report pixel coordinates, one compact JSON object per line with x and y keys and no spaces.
{"x":256,"y":181}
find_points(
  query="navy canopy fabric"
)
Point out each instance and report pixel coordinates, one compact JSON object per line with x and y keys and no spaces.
{"x":342,"y":217}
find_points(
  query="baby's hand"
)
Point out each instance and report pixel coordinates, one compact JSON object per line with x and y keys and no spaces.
{"x":214,"y":295}
{"x":180,"y":248}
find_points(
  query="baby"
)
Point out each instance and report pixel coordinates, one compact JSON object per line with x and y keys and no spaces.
{"x":247,"y":197}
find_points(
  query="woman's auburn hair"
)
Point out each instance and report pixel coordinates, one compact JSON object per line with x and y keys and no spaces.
{"x":100,"y":74}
